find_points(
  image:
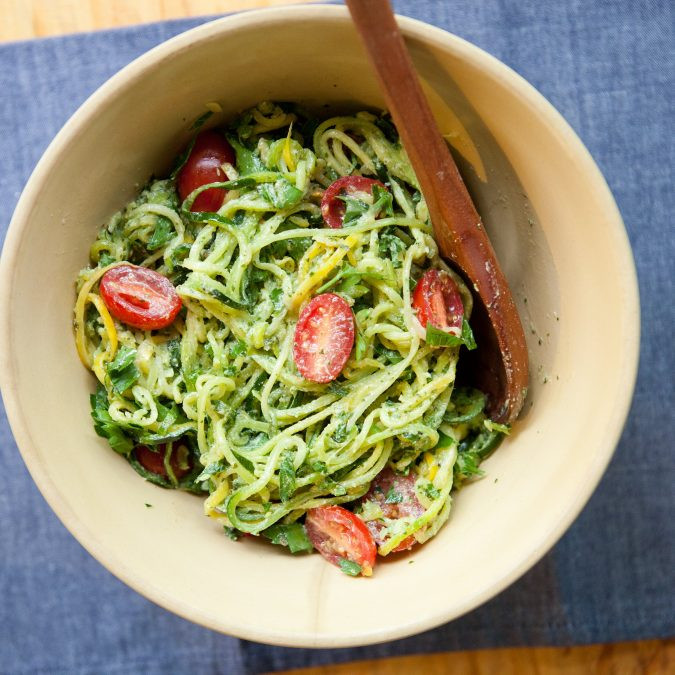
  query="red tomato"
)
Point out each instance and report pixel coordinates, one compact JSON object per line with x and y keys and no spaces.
{"x":204,"y":165}
{"x":153,"y":459}
{"x":437,"y":301}
{"x":337,"y":533}
{"x":397,"y":498}
{"x":324,"y":337}
{"x":140,"y":297}
{"x":333,"y":208}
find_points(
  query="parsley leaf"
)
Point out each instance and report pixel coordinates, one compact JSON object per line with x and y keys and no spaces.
{"x":104,"y":425}
{"x":286,"y":477}
{"x":122,"y":369}
{"x":392,"y":247}
{"x":355,"y":208}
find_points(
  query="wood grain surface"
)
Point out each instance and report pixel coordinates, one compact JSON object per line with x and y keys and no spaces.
{"x":25,"y":19}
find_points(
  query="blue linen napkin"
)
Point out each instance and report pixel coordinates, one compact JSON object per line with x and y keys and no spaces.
{"x":608,"y":67}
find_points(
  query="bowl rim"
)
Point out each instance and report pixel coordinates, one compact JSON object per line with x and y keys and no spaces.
{"x":125,"y":77}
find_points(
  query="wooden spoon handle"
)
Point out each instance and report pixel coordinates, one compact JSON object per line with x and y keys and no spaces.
{"x":458,"y":228}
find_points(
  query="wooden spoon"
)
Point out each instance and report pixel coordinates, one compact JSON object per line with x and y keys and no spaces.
{"x":500,"y":364}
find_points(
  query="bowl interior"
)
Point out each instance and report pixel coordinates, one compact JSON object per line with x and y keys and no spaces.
{"x":548,"y":212}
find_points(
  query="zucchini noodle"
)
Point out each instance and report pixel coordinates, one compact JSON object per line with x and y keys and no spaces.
{"x":220,"y":388}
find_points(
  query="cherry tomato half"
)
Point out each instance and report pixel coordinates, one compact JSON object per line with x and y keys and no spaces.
{"x":140,"y":297}
{"x":324,"y":337}
{"x":337,"y":533}
{"x":333,"y":208}
{"x":152,"y":459}
{"x":204,"y":165}
{"x":397,"y":498}
{"x":437,"y":301}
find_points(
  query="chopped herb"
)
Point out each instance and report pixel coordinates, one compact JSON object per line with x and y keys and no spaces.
{"x":393,"y":497}
{"x":431,"y":492}
{"x":148,"y":506}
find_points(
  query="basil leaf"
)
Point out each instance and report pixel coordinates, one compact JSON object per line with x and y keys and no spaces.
{"x":210,"y":470}
{"x":182,"y":159}
{"x":277,"y":298}
{"x":244,"y":461}
{"x":467,"y":336}
{"x":360,"y":350}
{"x":201,"y":120}
{"x":237,"y":349}
{"x":383,"y":201}
{"x":355,"y":208}
{"x":349,"y":567}
{"x":281,"y":194}
{"x":286,"y":477}
{"x":391,"y":356}
{"x":332,"y":486}
{"x":104,"y":425}
{"x":248,"y":161}
{"x":319,"y":466}
{"x":122,"y":369}
{"x":162,"y":234}
{"x":439,"y":338}
{"x":294,"y":536}
{"x":466,"y":403}
{"x":337,"y":388}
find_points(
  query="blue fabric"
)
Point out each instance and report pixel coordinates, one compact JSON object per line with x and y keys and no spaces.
{"x":608,"y":67}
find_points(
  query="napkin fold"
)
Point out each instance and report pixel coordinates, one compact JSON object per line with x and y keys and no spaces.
{"x":608,"y":68}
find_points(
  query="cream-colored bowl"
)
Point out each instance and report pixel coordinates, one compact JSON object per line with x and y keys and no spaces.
{"x":557,"y":232}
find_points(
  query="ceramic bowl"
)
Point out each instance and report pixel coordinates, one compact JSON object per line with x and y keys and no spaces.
{"x":557,"y":233}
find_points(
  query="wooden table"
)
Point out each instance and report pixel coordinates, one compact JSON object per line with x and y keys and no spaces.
{"x":24,"y":19}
